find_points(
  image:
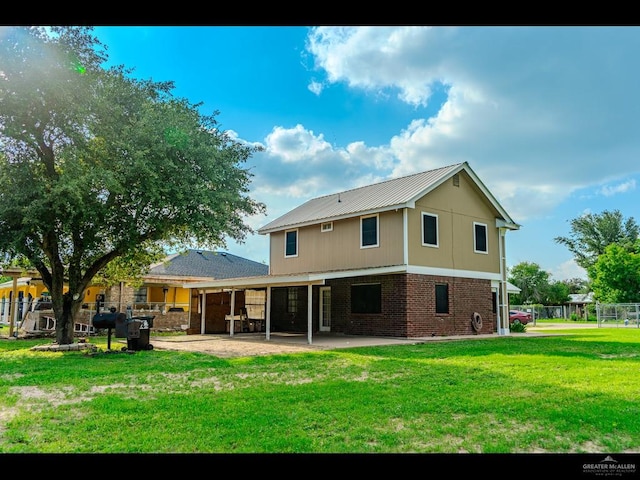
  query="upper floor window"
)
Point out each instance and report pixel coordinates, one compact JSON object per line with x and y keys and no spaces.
{"x":326,"y":226}
{"x":429,"y":229}
{"x":369,"y":231}
{"x":480,"y":241}
{"x":291,"y":243}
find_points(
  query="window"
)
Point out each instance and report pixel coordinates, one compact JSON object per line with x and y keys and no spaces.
{"x":292,"y":300}
{"x":369,"y":231}
{"x":366,"y":298}
{"x":291,"y":243}
{"x":442,"y":298}
{"x":429,"y":229}
{"x":480,"y":238}
{"x":140,"y":295}
{"x":326,"y":227}
{"x":456,"y":180}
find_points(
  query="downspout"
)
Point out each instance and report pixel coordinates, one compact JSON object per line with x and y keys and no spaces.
{"x":503,"y":311}
{"x":405,"y":235}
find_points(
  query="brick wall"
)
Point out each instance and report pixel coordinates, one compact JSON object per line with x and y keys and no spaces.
{"x":466,"y":296}
{"x":408,"y":307}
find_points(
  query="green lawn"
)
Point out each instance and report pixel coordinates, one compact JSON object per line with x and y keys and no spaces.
{"x":572,"y":393}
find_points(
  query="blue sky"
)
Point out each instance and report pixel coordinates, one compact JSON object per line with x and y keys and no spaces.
{"x":548,"y":117}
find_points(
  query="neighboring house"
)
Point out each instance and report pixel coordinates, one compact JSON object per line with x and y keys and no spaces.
{"x":578,"y":303}
{"x":421,"y":255}
{"x":162,"y":292}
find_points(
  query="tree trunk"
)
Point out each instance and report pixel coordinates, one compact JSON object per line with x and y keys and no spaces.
{"x":65,"y":322}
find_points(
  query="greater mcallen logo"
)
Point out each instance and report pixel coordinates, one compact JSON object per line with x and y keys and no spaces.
{"x":609,"y":467}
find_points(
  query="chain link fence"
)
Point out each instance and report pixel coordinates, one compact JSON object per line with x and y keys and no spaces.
{"x":618,"y":314}
{"x":607,"y":314}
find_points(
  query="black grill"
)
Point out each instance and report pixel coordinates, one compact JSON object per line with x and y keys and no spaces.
{"x":135,"y":329}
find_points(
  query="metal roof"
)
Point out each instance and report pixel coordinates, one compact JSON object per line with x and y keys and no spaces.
{"x":388,"y":195}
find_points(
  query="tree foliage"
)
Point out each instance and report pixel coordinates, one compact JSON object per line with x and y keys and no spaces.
{"x":536,"y":286}
{"x":615,"y":276}
{"x":577,"y":285}
{"x":592,"y":233}
{"x":557,"y":293}
{"x":532,"y":281}
{"x":95,"y":164}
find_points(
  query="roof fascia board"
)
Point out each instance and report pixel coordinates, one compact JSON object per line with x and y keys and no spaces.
{"x":500,"y":223}
{"x":292,"y":280}
{"x":176,"y":279}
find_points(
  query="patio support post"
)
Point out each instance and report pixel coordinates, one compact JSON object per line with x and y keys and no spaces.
{"x":13,"y":309}
{"x":233,"y":303}
{"x":310,"y":314}
{"x":203,"y":305}
{"x":268,"y":313}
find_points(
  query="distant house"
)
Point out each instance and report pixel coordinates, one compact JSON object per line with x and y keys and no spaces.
{"x":415,"y":256}
{"x":578,"y":303}
{"x":162,"y":291}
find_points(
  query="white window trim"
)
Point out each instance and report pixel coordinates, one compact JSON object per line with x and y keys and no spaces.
{"x":437,"y":244}
{"x":377,"y":244}
{"x":486,"y":234}
{"x":297,"y":243}
{"x":322,"y":229}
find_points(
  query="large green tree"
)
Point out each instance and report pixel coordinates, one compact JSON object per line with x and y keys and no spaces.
{"x":615,"y":276}
{"x":536,"y":286}
{"x":593,"y":232}
{"x":95,"y":164}
{"x":532,"y":281}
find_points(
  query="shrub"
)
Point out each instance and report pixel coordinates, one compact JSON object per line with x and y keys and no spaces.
{"x":516,"y":326}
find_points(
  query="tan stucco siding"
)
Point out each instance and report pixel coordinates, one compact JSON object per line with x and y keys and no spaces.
{"x":457,"y":208}
{"x":339,"y":248}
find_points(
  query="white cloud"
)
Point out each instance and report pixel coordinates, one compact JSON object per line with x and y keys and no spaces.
{"x":568,"y":270}
{"x":623,"y":187}
{"x":315,"y":87}
{"x":522,"y":106}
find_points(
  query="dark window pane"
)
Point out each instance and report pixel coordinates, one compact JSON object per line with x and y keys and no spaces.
{"x":292,"y":243}
{"x":429,"y":230}
{"x":366,"y":298}
{"x":369,"y":231}
{"x":442,"y":298}
{"x":481,"y":238}
{"x":292,"y":300}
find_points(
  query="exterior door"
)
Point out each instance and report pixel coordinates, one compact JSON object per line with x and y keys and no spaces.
{"x":325,"y":309}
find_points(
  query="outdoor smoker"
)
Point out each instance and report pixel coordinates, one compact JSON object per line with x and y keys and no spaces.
{"x":135,"y":329}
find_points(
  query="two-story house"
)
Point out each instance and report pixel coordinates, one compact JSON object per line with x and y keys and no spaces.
{"x":416,"y":256}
